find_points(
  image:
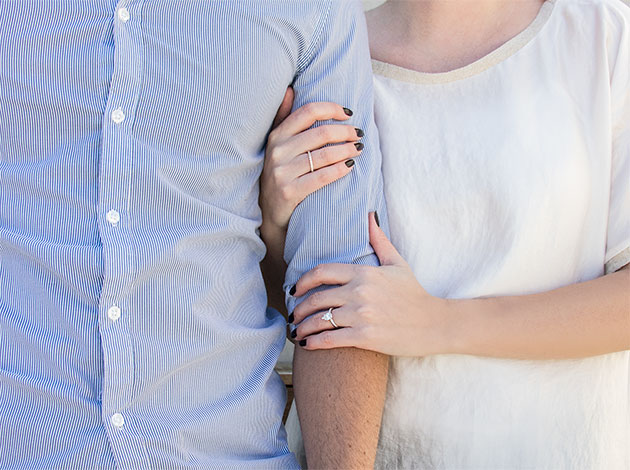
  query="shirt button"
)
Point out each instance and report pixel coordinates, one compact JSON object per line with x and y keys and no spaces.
{"x":118,"y":420}
{"x":118,"y":116}
{"x":113,"y":313}
{"x":123,"y":14}
{"x":113,"y":217}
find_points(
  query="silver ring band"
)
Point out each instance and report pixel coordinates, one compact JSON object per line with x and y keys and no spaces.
{"x":328,"y":316}
{"x":310,"y":160}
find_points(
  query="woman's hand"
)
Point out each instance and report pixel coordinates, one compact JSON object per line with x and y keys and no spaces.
{"x":287,"y":178}
{"x":289,"y":175}
{"x":383,"y":308}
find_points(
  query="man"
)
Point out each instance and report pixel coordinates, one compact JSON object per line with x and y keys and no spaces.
{"x":133,"y":309}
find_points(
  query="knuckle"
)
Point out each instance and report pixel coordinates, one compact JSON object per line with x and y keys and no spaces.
{"x":286,"y":191}
{"x":326,"y":338}
{"x":324,"y":133}
{"x":361,"y":291}
{"x":271,"y":140}
{"x":315,"y":299}
{"x":317,"y":272}
{"x":327,"y":155}
{"x":309,"y":109}
{"x":366,"y":275}
{"x":322,"y":177}
{"x":273,"y":151}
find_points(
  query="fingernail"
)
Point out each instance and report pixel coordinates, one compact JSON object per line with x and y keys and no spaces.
{"x":302,"y":342}
{"x":349,"y":163}
{"x":359,"y":145}
{"x":294,"y":333}
{"x":291,"y":318}
{"x":348,"y":111}
{"x":378,"y":222}
{"x":292,"y":291}
{"x":360,"y":132}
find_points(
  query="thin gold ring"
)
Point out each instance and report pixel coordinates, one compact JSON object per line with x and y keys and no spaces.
{"x":310,"y":160}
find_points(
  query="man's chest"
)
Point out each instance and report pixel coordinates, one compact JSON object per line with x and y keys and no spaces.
{"x":195,"y":77}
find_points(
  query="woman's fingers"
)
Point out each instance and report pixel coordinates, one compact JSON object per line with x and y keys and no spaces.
{"x":319,"y":137}
{"x":311,"y":182}
{"x":326,"y":156}
{"x":326,"y":274}
{"x":304,"y":117}
{"x":316,"y":323}
{"x":321,"y":300}
{"x":341,"y":338}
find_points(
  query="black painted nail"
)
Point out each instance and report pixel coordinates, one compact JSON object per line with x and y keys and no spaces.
{"x":348,"y":111}
{"x":360,"y":132}
{"x":302,"y":342}
{"x":359,"y":145}
{"x":349,"y":163}
{"x":291,"y":318}
{"x":378,"y":222}
{"x":292,"y":291}
{"x":294,"y":333}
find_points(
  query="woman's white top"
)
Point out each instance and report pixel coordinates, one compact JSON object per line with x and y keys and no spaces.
{"x":512,"y":176}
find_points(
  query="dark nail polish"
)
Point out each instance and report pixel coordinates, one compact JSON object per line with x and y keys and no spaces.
{"x":291,"y":318}
{"x":292,"y":291}
{"x":378,"y":222}
{"x":348,"y":111}
{"x":349,"y":163}
{"x":359,"y":145}
{"x":302,"y":342}
{"x":360,"y":132}
{"x":293,"y":333}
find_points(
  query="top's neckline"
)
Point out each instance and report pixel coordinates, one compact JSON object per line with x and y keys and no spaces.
{"x":495,"y":57}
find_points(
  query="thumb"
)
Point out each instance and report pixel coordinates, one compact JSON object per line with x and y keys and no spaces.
{"x":386,"y":252}
{"x":285,"y":108}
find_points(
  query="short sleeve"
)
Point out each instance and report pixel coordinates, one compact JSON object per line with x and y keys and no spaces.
{"x":618,"y":238}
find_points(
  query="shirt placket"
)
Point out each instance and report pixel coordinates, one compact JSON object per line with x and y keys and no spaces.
{"x":115,"y":192}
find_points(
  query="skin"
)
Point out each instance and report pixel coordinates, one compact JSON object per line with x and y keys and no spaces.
{"x":346,"y":438}
{"x":384,"y":308}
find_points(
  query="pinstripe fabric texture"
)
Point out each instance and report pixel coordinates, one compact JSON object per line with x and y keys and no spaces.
{"x":135,"y":333}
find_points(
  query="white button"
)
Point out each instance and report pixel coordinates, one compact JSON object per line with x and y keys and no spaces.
{"x":123,"y":14}
{"x":118,"y":116}
{"x":113,"y":217}
{"x":113,"y":313}
{"x":118,"y":420}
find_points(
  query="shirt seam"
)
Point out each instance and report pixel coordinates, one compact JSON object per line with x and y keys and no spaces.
{"x":317,"y":35}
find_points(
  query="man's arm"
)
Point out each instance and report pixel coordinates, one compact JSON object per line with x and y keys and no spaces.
{"x":339,"y":394}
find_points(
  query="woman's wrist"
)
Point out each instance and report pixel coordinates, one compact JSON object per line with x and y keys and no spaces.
{"x":462,"y":319}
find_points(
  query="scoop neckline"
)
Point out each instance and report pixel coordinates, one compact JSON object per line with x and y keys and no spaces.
{"x":503,"y":52}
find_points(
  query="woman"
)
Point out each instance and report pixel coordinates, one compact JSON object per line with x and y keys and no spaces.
{"x":505,"y":132}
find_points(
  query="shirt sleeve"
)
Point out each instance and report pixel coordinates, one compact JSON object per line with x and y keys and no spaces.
{"x":331,"y":225}
{"x":618,"y":241}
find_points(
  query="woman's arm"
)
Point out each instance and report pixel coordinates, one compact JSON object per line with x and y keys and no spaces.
{"x":385,"y":309}
{"x":580,"y":320}
{"x":286,"y":178}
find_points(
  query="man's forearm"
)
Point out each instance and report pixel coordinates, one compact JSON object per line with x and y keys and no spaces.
{"x":340,"y":395}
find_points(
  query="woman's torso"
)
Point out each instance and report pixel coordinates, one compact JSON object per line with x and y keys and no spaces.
{"x":498,"y":182}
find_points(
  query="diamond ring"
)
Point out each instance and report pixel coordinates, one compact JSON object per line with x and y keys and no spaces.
{"x":328,"y":316}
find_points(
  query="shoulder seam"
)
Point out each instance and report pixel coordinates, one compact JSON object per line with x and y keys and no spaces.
{"x":310,"y":52}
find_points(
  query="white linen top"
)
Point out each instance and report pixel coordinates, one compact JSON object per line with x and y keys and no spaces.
{"x":512,"y":176}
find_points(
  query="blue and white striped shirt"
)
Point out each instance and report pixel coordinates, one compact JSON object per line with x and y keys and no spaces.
{"x":135,"y":333}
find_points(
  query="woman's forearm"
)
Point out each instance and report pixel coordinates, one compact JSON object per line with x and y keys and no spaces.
{"x":580,"y":320}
